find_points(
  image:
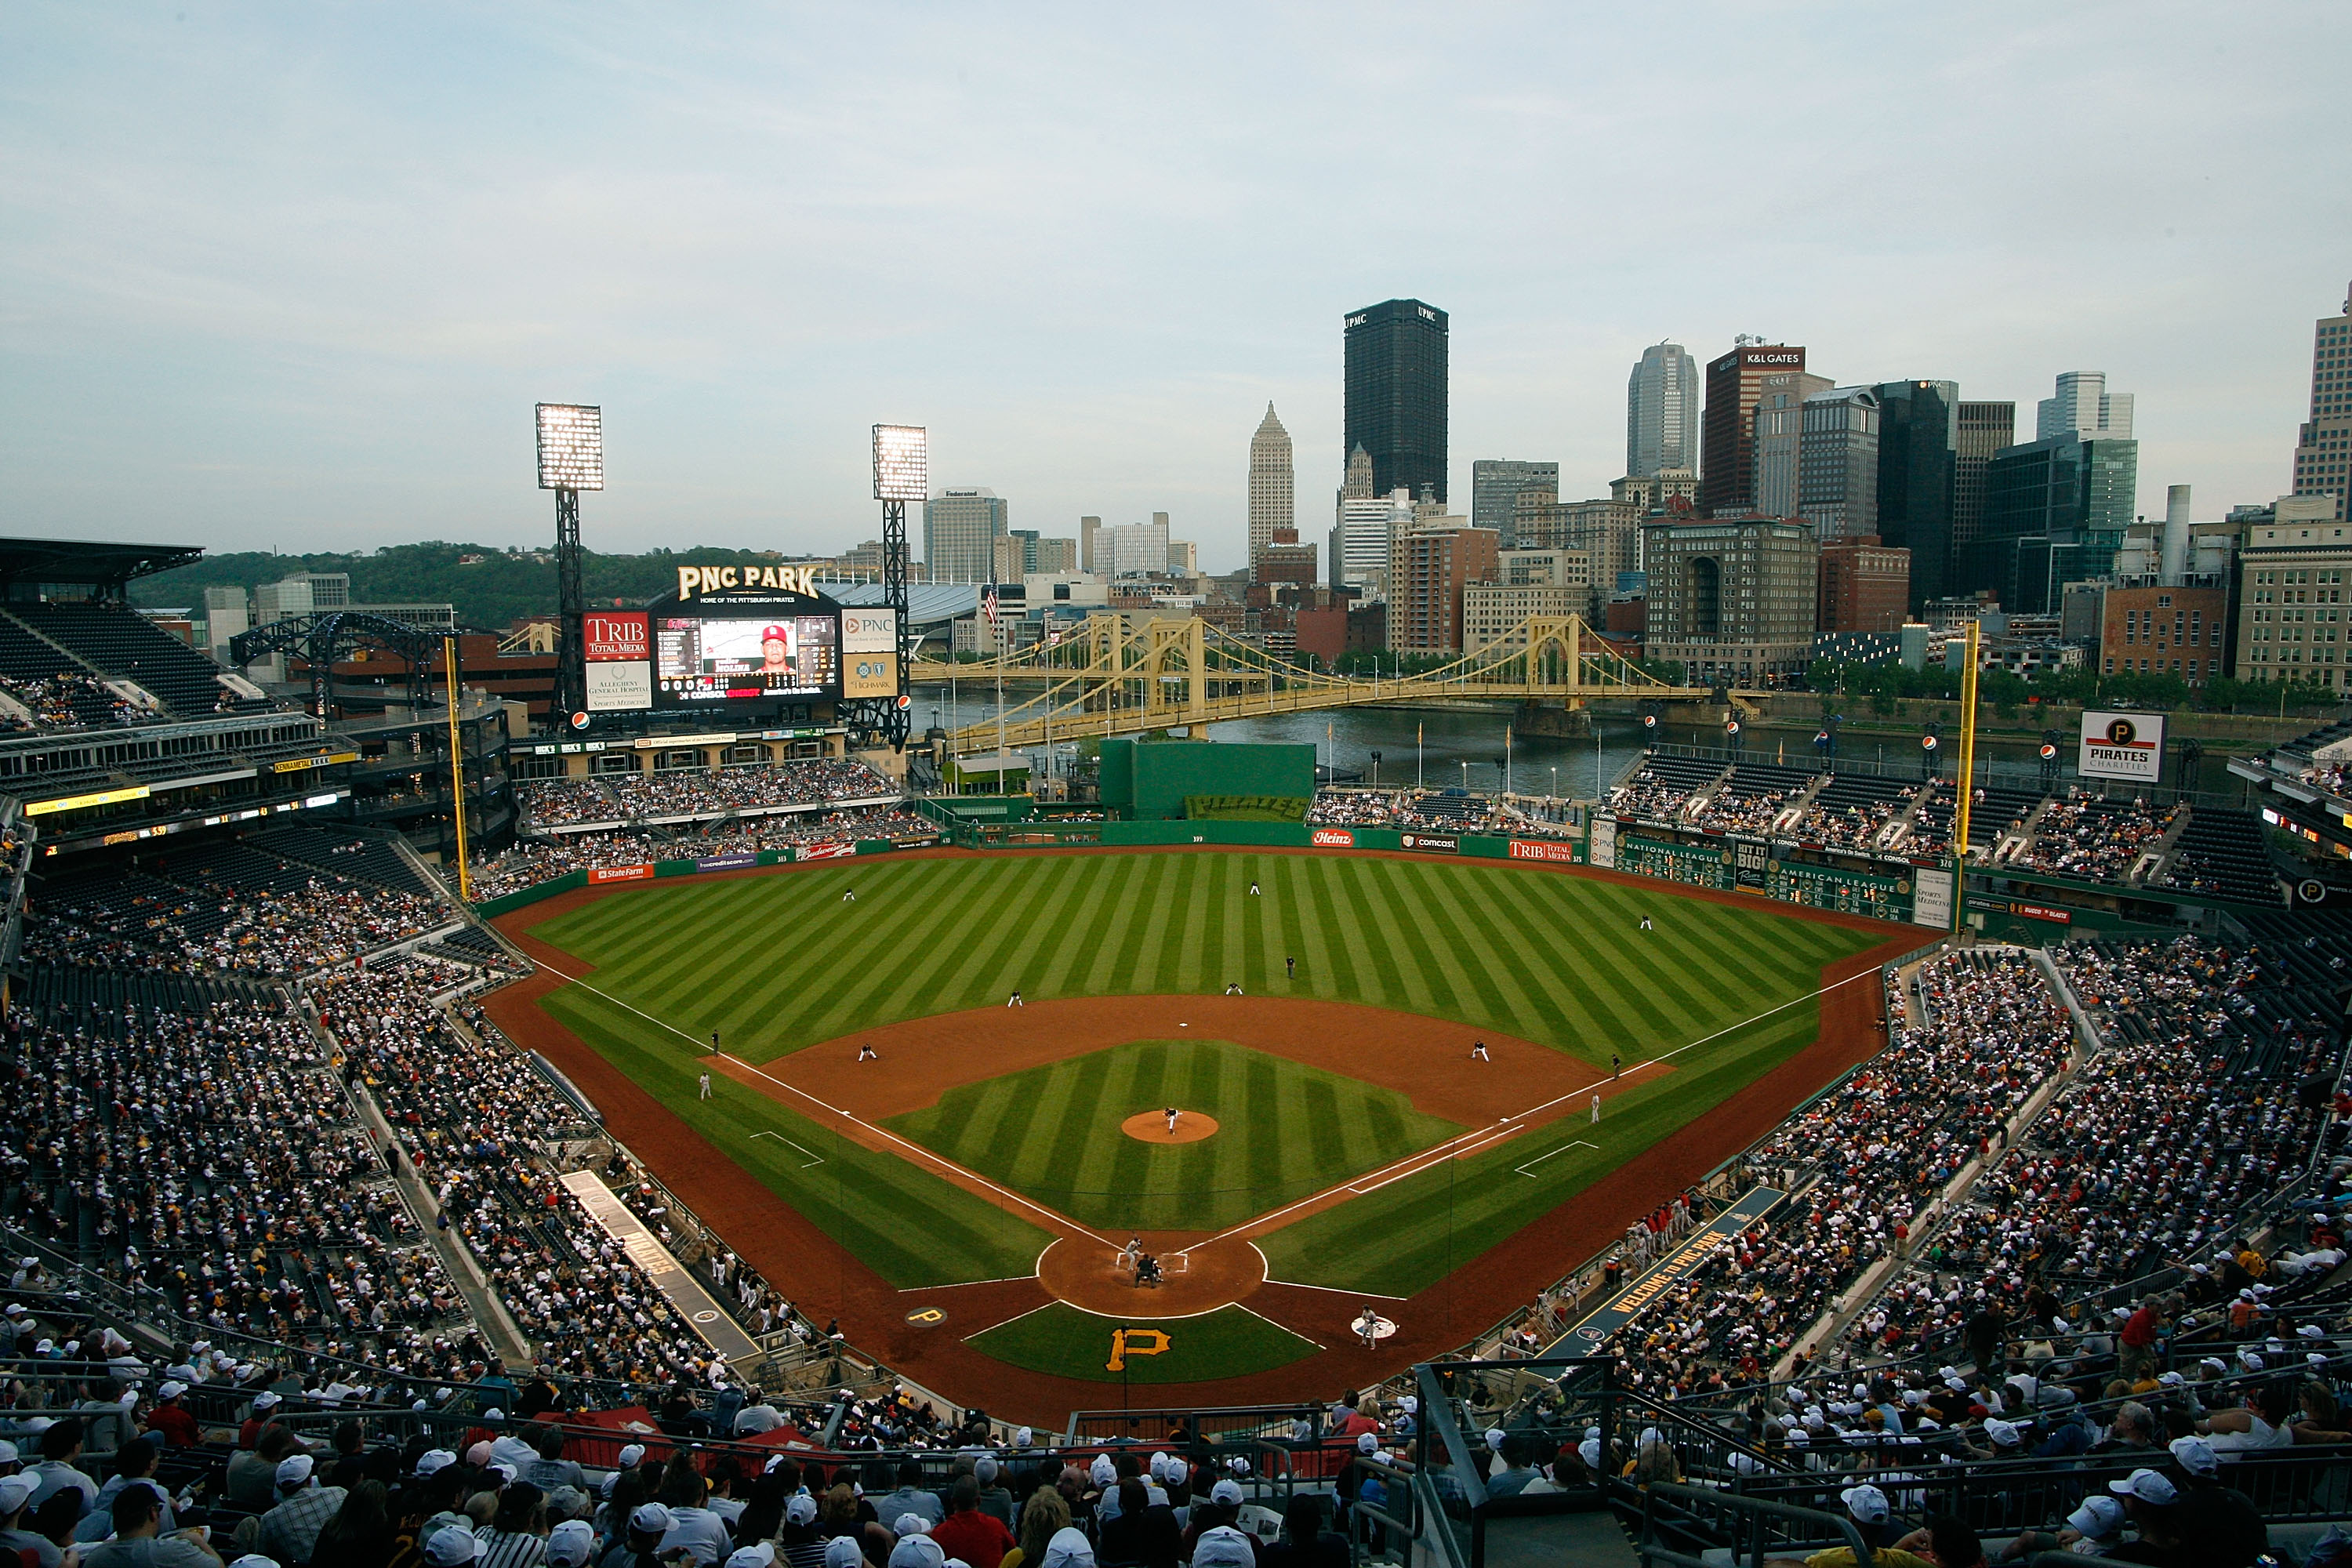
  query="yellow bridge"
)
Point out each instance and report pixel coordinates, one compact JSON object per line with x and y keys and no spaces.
{"x":1120,"y":674}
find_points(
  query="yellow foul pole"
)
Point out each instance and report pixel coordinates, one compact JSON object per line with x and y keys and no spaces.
{"x":1967,"y":771}
{"x":456,"y":768}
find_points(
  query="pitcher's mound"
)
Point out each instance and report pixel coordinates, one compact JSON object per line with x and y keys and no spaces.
{"x":1151,"y":1126}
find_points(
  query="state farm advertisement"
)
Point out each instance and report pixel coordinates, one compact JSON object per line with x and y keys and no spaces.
{"x":619,"y":873}
{"x":1333,"y":838}
{"x":1541,"y":850}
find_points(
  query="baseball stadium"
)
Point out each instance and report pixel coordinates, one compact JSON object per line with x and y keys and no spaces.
{"x":720,"y":1085}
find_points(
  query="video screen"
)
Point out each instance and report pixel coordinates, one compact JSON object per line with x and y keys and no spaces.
{"x":701,"y":661}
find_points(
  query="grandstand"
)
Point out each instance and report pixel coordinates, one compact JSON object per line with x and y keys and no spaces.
{"x":277,"y":1184}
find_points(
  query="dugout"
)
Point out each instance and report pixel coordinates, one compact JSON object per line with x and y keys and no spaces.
{"x":1159,"y":781}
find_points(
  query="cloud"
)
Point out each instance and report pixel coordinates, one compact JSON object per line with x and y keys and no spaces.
{"x":295,"y":276}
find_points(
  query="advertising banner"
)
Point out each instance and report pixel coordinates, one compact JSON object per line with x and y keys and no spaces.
{"x":1601,"y":848}
{"x":619,"y":873}
{"x":1752,"y":855}
{"x":617,"y":688}
{"x":823,"y":851}
{"x":1541,"y":850}
{"x":2121,"y":746}
{"x":869,"y":631}
{"x":617,"y":635}
{"x":727,"y":862}
{"x":869,"y":674}
{"x":1442,"y":842}
{"x":1931,"y":901}
{"x":1332,"y":838}
{"x":916,"y":841}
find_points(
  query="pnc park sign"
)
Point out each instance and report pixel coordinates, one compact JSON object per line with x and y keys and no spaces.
{"x":694,"y":580}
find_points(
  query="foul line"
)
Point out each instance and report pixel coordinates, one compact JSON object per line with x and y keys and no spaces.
{"x":1334,"y":1290}
{"x":814,"y":1159}
{"x":1488,"y":1137}
{"x":916,"y":1150}
{"x":960,"y":1284}
{"x":1528,"y":1169}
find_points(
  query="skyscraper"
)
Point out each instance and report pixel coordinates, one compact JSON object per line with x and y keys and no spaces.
{"x":1984,"y":429}
{"x":1495,"y":485}
{"x":1837,"y":464}
{"x":960,"y":529}
{"x":1662,"y":400}
{"x":2085,"y":407}
{"x":1918,"y":451}
{"x":1396,"y":355}
{"x":1087,"y":528}
{"x":1777,"y":432}
{"x":1734,"y":383}
{"x":2322,"y":449}
{"x":1272,"y":485}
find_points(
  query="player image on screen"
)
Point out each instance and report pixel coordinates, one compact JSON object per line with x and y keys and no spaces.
{"x":701,"y":661}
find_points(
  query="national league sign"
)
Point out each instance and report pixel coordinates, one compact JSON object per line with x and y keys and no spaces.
{"x":2121,"y":746}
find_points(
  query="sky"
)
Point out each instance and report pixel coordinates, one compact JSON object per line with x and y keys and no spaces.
{"x":291,"y":276}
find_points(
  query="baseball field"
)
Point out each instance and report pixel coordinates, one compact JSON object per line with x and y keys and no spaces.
{"x":888,"y":1139}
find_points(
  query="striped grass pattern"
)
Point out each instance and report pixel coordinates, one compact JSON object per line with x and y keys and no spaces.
{"x":1284,"y":1131}
{"x":780,"y":962}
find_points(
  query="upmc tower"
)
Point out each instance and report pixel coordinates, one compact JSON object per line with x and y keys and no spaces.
{"x":1727,"y":483}
{"x":1396,"y":394}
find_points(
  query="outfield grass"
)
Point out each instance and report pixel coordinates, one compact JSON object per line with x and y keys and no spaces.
{"x":1231,"y":1342}
{"x":1284,"y":1131}
{"x":779,"y":962}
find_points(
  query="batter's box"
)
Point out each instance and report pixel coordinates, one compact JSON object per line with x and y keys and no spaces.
{"x":1529,"y":1170}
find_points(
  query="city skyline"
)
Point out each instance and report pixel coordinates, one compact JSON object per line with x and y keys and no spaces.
{"x":294,"y":283}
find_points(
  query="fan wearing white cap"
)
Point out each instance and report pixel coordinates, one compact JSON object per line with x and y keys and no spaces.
{"x":1225,"y":1547}
{"x":451,"y":1547}
{"x":172,"y":1419}
{"x":571,"y":1544}
{"x":290,"y":1531}
{"x":15,"y":1498}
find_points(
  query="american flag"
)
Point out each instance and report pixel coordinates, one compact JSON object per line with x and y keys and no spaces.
{"x":988,"y":603}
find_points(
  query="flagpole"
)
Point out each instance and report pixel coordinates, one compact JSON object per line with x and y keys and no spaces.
{"x":1417,"y":737}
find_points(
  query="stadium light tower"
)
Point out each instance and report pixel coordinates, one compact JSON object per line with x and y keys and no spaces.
{"x":902,"y":472}
{"x":570,"y":459}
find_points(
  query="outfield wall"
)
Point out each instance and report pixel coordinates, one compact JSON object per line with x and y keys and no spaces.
{"x":1889,"y":893}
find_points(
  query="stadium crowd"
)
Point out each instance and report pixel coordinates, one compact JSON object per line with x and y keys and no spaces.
{"x":141,"y":921}
{"x":281,"y":1226}
{"x":1436,"y":811}
{"x":1857,"y":824}
{"x":1649,"y":796}
{"x":534,"y":860}
{"x":70,"y":700}
{"x":636,"y":796}
{"x":2095,"y":840}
